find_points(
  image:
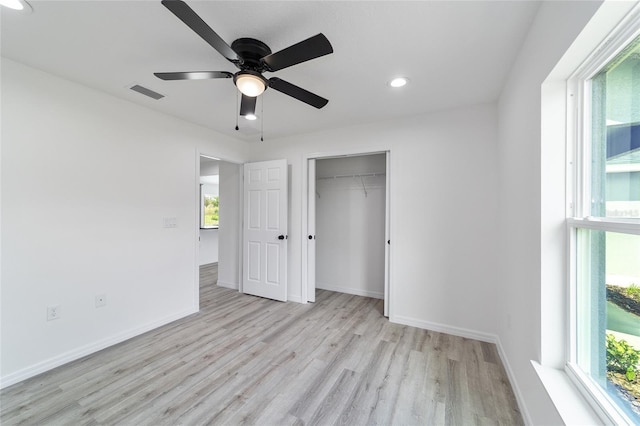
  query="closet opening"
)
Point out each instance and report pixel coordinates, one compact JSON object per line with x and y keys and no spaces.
{"x":348,"y":222}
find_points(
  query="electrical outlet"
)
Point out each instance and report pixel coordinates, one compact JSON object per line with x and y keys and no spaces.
{"x":101,"y":300}
{"x":53,"y":312}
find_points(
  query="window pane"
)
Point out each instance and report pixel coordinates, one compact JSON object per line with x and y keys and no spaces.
{"x":615,"y":135}
{"x":608,"y":315}
{"x":211,"y":205}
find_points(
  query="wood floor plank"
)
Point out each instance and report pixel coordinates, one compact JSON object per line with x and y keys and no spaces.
{"x":359,"y":405}
{"x":294,"y":384}
{"x":248,"y":360}
{"x":315,"y":392}
{"x":413,"y":400}
{"x":387,"y":392}
{"x":344,"y":386}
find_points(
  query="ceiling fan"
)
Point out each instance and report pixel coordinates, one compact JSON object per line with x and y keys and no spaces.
{"x":252,"y":57}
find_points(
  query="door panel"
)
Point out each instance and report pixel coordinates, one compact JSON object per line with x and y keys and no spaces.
{"x":273,"y":210}
{"x":265,"y":229}
{"x":311,"y":232}
{"x":253,"y":253}
{"x":273,"y":264}
{"x":254,"y":210}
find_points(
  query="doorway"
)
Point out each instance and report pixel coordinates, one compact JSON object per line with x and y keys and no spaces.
{"x":218,"y":210}
{"x":348,"y":224}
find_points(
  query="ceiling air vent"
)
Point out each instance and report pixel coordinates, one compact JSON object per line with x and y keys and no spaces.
{"x":147,"y":92}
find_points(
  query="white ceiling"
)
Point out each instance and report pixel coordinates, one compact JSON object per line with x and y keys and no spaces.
{"x":455,"y":53}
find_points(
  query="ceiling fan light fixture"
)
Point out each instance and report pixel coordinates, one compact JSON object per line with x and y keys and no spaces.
{"x":249,"y":83}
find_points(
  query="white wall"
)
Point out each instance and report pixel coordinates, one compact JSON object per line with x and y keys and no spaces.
{"x":229,"y":256}
{"x":350,"y":225}
{"x":208,"y":246}
{"x":209,"y":166}
{"x":86,"y":182}
{"x":523,"y":245}
{"x":444,"y":225}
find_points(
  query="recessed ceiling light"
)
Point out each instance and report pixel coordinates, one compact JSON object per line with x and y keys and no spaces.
{"x":398,"y":82}
{"x":21,"y":5}
{"x":251,"y":117}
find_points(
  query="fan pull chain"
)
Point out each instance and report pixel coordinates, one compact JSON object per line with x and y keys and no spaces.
{"x":262,"y":119}
{"x":237,"y":111}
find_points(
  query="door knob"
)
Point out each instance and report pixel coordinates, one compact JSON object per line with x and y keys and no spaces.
{"x":310,"y":237}
{"x":281,"y":237}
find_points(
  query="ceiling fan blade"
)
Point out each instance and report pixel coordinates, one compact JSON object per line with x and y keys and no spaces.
{"x":192,"y":75}
{"x":247,"y":105}
{"x":308,"y":49}
{"x":297,"y":92}
{"x":193,"y":21}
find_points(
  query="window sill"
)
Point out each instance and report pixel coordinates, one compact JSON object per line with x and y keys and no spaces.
{"x":567,"y":399}
{"x":207,"y":229}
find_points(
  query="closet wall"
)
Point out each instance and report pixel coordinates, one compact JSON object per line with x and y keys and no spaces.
{"x":229,"y":255}
{"x":350,"y":224}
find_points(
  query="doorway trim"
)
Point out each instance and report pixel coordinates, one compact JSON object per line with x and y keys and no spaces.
{"x":196,"y":239}
{"x":305,"y":217}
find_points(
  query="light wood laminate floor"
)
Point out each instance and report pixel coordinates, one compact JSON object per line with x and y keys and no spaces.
{"x":247,"y":360}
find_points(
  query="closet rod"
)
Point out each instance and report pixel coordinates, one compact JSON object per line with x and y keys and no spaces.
{"x":352,"y":176}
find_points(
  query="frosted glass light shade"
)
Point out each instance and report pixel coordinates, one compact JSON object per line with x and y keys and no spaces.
{"x":21,"y":6}
{"x":12,"y":4}
{"x":250,"y":85}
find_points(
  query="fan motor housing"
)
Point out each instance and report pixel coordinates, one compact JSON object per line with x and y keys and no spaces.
{"x":251,"y":51}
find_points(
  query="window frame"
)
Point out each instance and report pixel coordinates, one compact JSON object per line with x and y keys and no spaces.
{"x":578,"y":178}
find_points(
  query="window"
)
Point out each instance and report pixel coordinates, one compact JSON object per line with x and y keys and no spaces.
{"x":604,"y":228}
{"x":209,"y":205}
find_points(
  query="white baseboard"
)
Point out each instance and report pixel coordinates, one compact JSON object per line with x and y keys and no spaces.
{"x":448,"y":329}
{"x":476,"y":335}
{"x":351,"y":290}
{"x":83,"y":351}
{"x":514,"y":384}
{"x":232,"y":286}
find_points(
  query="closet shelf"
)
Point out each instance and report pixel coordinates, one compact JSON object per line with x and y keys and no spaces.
{"x":361,"y":176}
{"x":351,"y":176}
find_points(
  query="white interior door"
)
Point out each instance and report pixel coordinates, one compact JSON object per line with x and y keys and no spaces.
{"x":265,"y":229}
{"x":387,"y":242}
{"x":311,"y":233}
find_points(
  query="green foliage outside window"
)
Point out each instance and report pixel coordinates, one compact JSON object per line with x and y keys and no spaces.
{"x":211,"y":206}
{"x":622,"y":357}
